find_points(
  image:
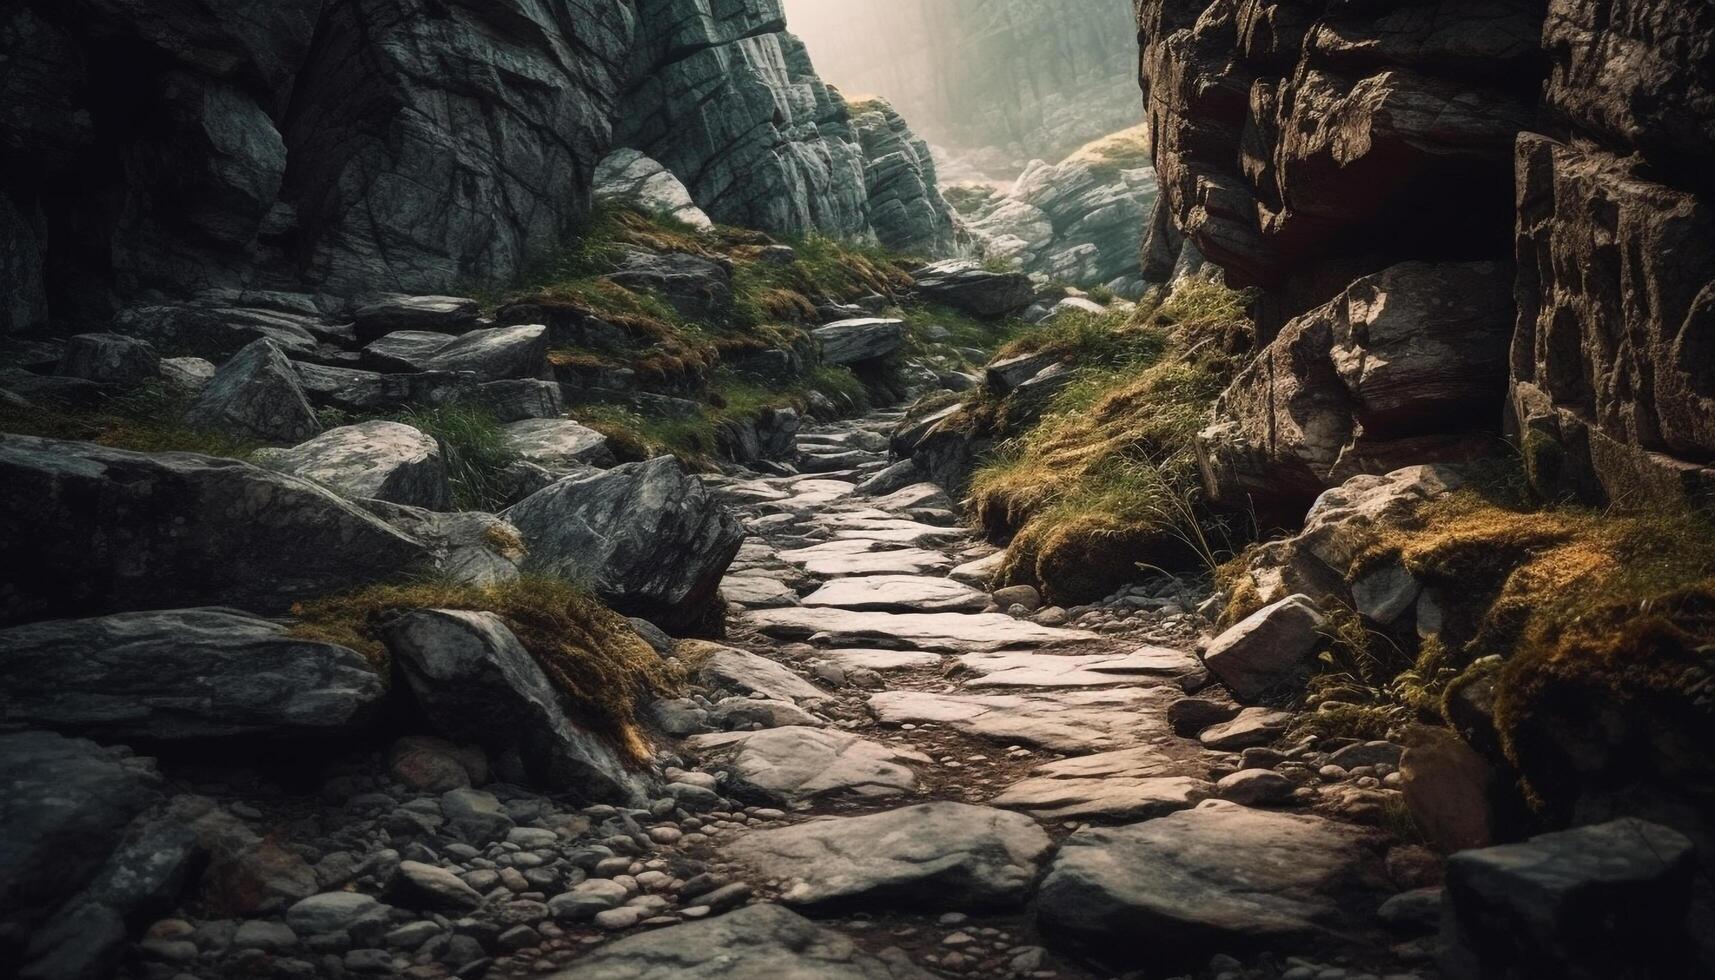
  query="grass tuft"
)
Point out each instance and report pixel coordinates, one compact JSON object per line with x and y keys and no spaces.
{"x":475,"y":449}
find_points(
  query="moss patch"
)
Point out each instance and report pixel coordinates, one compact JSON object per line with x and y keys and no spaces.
{"x":602,"y":668}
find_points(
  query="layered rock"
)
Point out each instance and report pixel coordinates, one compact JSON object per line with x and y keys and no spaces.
{"x":905,"y":206}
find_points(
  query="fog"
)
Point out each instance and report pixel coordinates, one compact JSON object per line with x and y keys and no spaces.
{"x":1017,"y":78}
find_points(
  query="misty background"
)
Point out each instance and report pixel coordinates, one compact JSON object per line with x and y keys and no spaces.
{"x":990,"y":84}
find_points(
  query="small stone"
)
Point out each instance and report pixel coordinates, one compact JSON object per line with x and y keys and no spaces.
{"x":616,"y":920}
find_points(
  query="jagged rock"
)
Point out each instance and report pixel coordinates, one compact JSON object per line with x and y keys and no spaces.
{"x":558,"y":445}
{"x":182,"y":674}
{"x":520,"y":399}
{"x":646,"y":536}
{"x":696,"y":287}
{"x":1268,"y":648}
{"x":190,"y":375}
{"x":1218,"y":876}
{"x":358,"y":391}
{"x":256,"y":396}
{"x":905,"y":205}
{"x":797,"y":765}
{"x":465,"y":546}
{"x":404,"y":350}
{"x":474,"y":682}
{"x":387,"y":461}
{"x":968,"y":286}
{"x":630,"y":179}
{"x":1402,"y":368}
{"x":756,"y":941}
{"x":105,"y":529}
{"x":934,"y":856}
{"x":215,"y":332}
{"x":109,"y":358}
{"x":495,"y":354}
{"x":859,"y":341}
{"x":1597,"y":901}
{"x":437,"y":314}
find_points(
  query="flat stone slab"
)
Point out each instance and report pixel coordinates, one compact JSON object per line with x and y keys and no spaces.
{"x":1116,"y":798}
{"x":757,"y":591}
{"x":558,"y":445}
{"x":1064,"y":721}
{"x":881,"y":659}
{"x":893,"y":531}
{"x":730,"y":669}
{"x":746,"y":944}
{"x":834,"y":559}
{"x":795,"y":765}
{"x":1252,"y":726}
{"x":980,"y":571}
{"x":1218,"y":876}
{"x":1049,"y":670}
{"x":898,"y":593}
{"x":937,"y":857}
{"x":951,"y":632}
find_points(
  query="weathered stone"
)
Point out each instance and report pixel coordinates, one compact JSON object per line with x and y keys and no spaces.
{"x":1128,"y":784}
{"x":387,"y":461}
{"x":522,"y":398}
{"x":647,"y":537}
{"x":1267,"y":649}
{"x":474,"y":681}
{"x":186,"y":674}
{"x":920,"y":631}
{"x":1218,"y":876}
{"x":969,"y":287}
{"x":1086,"y":670}
{"x":934,"y":856}
{"x":108,"y":358}
{"x":1448,"y":788}
{"x":797,"y":765}
{"x":256,"y":396}
{"x":1252,"y":726}
{"x":438,"y":314}
{"x":906,"y":209}
{"x":558,"y":445}
{"x":367,"y":392}
{"x":464,"y":546}
{"x":739,"y":671}
{"x":630,"y":179}
{"x":424,"y":886}
{"x":1065,"y":721}
{"x":897,"y":593}
{"x":859,"y":341}
{"x":495,"y":354}
{"x":105,"y":529}
{"x":696,"y":287}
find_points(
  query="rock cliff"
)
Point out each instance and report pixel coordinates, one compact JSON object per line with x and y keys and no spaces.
{"x":1303,"y":146}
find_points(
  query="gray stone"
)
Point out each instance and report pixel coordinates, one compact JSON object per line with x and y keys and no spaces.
{"x":474,"y":816}
{"x":331,"y":912}
{"x":1252,"y":726}
{"x":387,"y":461}
{"x":696,"y":287}
{"x":186,"y":674}
{"x":1267,"y":649}
{"x":583,"y":900}
{"x":934,"y":856}
{"x":738,"y":671}
{"x":1063,"y":721}
{"x":1089,"y":670}
{"x":189,"y":375}
{"x":440,"y":314}
{"x":404,"y":350}
{"x":369,"y":392}
{"x":922,"y":631}
{"x":108,"y":358}
{"x":647,"y":537}
{"x":256,"y":396}
{"x":474,"y":682}
{"x":495,"y":354}
{"x":898,"y":593}
{"x":560,"y":446}
{"x":522,"y":398}
{"x":1255,"y":787}
{"x":630,"y":179}
{"x":1189,"y":716}
{"x":424,"y":886}
{"x":969,"y":287}
{"x":797,"y":765}
{"x":859,"y":341}
{"x":105,"y":529}
{"x":470,"y":547}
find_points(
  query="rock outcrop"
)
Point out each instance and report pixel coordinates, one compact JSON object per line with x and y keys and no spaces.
{"x":905,"y":206}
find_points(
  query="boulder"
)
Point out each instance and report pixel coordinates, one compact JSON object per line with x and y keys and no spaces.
{"x":187,"y":375}
{"x":969,"y":287}
{"x":404,"y":350}
{"x":696,"y":287}
{"x":934,"y":856}
{"x":796,"y":765}
{"x":182,"y":675}
{"x":1448,"y":789}
{"x":439,"y":314}
{"x":1006,"y":374}
{"x":630,"y":179}
{"x":216,"y":332}
{"x":1607,"y":900}
{"x":756,"y":941}
{"x":1250,"y":727}
{"x":109,"y":358}
{"x":387,"y":461}
{"x":105,"y":530}
{"x":256,"y":395}
{"x":522,"y":398}
{"x":474,"y":682}
{"x":1268,"y":649}
{"x":367,"y":392}
{"x":496,"y":353}
{"x":1219,"y":876}
{"x":424,"y":886}
{"x":859,"y":341}
{"x":465,"y":546}
{"x":558,"y":445}
{"x":648,"y":538}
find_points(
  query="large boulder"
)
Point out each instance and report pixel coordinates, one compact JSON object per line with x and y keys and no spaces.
{"x":969,"y":287}
{"x":1406,"y":366}
{"x":495,"y":354}
{"x":103,"y":530}
{"x":1268,"y":649}
{"x":558,"y":445}
{"x":1219,"y":876}
{"x":256,"y":396}
{"x":388,"y":461}
{"x":647,"y":537}
{"x":859,"y":341}
{"x":1609,"y":900}
{"x":474,"y":682}
{"x":934,"y":856}
{"x":181,"y":675}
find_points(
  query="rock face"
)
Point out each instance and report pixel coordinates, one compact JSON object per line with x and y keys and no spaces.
{"x":1219,"y":876}
{"x":905,"y":206}
{"x":475,"y":682}
{"x":939,"y":856}
{"x":104,"y":530}
{"x":387,"y":461}
{"x":648,"y":537}
{"x":186,"y":674}
{"x":1403,"y":367}
{"x":629,"y":179}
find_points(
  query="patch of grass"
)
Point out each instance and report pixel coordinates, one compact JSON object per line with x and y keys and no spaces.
{"x":943,"y":330}
{"x":1124,"y":150}
{"x":968,"y":199}
{"x":603,"y":670}
{"x":475,"y":450}
{"x":148,"y":419}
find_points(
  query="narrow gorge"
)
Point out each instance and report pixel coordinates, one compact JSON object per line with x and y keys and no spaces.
{"x":876,"y":490}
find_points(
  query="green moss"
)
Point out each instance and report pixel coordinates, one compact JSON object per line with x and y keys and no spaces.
{"x":604,"y":671}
